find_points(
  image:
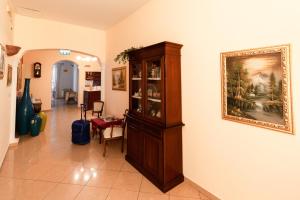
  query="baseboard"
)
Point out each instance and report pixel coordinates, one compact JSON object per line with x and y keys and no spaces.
{"x":13,"y":144}
{"x":3,"y":153}
{"x":202,"y":190}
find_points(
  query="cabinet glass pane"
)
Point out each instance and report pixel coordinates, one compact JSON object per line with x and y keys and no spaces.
{"x":136,"y":95}
{"x":153,"y":104}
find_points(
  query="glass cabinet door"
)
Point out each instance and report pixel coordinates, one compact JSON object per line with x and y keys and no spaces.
{"x":153,"y":104}
{"x":136,"y":91}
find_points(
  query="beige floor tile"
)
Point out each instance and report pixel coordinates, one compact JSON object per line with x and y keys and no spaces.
{"x":127,"y":167}
{"x":116,"y":194}
{"x":39,"y":166}
{"x":185,"y":189}
{"x":94,"y":162}
{"x":56,"y":173}
{"x":113,"y":164}
{"x":93,"y":193}
{"x":34,"y":190}
{"x":148,"y":187}
{"x":9,"y":188}
{"x":182,"y":198}
{"x":13,"y":170}
{"x":79,"y":176}
{"x":103,"y":178}
{"x":35,"y":171}
{"x":128,"y":181}
{"x":203,"y":197}
{"x":149,"y":196}
{"x":64,"y":192}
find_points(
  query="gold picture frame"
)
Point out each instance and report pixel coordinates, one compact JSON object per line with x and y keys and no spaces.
{"x":256,"y":87}
{"x":2,"y":61}
{"x":119,"y":78}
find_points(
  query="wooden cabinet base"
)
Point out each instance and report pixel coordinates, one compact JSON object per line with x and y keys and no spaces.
{"x":164,"y":187}
{"x":155,"y":151}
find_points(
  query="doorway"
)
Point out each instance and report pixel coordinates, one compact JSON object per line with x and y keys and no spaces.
{"x":64,"y":83}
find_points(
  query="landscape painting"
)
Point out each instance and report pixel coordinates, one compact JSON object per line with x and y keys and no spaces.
{"x":119,"y":78}
{"x":256,"y":87}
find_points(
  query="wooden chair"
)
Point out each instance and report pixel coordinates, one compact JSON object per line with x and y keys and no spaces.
{"x":115,"y":132}
{"x":98,"y":107}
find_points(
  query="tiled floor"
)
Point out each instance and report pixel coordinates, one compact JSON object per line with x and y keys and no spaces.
{"x":50,"y":167}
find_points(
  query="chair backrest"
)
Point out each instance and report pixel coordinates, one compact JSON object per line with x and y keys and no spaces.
{"x":124,"y":119}
{"x":98,"y":106}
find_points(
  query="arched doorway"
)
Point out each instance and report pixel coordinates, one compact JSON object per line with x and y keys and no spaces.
{"x":42,"y":87}
{"x":64,"y":83}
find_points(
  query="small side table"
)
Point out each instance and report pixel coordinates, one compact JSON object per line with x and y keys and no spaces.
{"x":98,"y":125}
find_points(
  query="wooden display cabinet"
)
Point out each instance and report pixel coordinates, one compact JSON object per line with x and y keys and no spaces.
{"x":154,"y":136}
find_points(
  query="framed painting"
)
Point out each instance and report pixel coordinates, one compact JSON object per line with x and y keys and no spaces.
{"x":9,"y":75}
{"x":256,"y":88}
{"x":119,"y":78}
{"x":2,"y":61}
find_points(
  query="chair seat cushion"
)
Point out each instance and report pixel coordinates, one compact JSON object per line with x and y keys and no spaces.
{"x":117,"y":132}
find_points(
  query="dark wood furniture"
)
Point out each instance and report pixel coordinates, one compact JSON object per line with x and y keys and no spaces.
{"x":154,"y":121}
{"x":93,"y":76}
{"x":89,"y":97}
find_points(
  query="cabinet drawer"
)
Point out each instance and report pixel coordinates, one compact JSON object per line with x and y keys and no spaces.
{"x":153,"y":131}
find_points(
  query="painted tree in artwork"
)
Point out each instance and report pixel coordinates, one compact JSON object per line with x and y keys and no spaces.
{"x":237,"y":81}
{"x":279,"y":90}
{"x":272,"y":86}
{"x":121,"y":78}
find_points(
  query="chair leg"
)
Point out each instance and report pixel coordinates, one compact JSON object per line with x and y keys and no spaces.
{"x":104,"y":151}
{"x":100,"y":135}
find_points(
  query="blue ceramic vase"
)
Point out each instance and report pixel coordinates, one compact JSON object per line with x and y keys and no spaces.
{"x":35,"y":125}
{"x":24,"y":111}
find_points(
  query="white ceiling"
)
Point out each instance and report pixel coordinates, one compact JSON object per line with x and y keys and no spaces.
{"x":100,"y":14}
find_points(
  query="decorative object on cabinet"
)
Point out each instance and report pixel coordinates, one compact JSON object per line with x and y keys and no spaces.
{"x":123,"y":56}
{"x":2,"y":61}
{"x":9,"y":75}
{"x":24,"y":111}
{"x":119,"y":78}
{"x":256,"y":87}
{"x":89,"y":97}
{"x":37,"y":70}
{"x":12,"y":50}
{"x":154,"y":121}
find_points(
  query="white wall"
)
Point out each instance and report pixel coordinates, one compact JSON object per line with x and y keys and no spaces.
{"x":33,"y":33}
{"x":41,"y":87}
{"x":231,"y":160}
{"x":6,"y":100}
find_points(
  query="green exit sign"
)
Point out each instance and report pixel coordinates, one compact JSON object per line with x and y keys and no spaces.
{"x":64,"y":52}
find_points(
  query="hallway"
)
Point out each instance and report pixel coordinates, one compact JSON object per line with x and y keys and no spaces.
{"x":50,"y":167}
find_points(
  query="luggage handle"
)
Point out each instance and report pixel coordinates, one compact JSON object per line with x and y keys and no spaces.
{"x":83,"y":107}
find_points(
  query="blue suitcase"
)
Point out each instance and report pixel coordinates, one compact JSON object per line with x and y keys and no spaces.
{"x":81,"y":129}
